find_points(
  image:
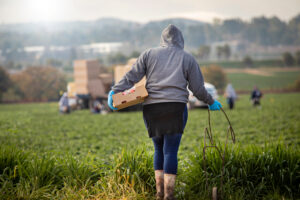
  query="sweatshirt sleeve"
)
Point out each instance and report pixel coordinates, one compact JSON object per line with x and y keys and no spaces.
{"x":136,"y":73}
{"x":196,"y":83}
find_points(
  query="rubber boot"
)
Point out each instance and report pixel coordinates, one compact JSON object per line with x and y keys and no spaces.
{"x":159,"y":178}
{"x":169,"y":184}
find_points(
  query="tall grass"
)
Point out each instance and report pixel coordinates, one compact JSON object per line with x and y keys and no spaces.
{"x":131,"y":176}
{"x":135,"y":167}
{"x":252,"y":172}
{"x":29,"y":176}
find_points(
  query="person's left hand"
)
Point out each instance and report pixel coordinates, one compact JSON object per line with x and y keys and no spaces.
{"x":110,"y":100}
{"x":215,"y":106}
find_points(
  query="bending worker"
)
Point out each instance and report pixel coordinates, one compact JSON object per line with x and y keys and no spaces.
{"x":169,"y":70}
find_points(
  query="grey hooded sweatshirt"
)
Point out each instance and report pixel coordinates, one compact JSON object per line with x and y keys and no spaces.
{"x":169,"y":70}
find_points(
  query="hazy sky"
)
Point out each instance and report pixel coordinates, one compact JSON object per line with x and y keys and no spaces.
{"x":16,"y":11}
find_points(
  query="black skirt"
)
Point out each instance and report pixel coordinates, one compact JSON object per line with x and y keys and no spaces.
{"x":164,"y":118}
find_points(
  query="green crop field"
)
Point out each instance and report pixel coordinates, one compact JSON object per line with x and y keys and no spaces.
{"x":279,"y":80}
{"x":46,"y":155}
{"x":239,"y":64}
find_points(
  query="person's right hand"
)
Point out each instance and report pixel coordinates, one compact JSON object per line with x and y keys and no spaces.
{"x":110,"y":100}
{"x":215,"y":106}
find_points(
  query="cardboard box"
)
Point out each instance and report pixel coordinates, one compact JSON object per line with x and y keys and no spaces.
{"x":93,"y":87}
{"x":86,"y":69}
{"x":107,"y":81}
{"x":121,"y":70}
{"x":71,"y":89}
{"x":132,"y":97}
{"x":96,"y":88}
{"x":87,"y":80}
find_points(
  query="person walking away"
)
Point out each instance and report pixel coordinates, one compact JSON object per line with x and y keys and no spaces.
{"x":96,"y":106}
{"x":255,"y":96}
{"x":64,"y":104}
{"x":230,"y":95}
{"x":169,"y":71}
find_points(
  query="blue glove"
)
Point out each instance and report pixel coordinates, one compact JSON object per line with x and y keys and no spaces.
{"x":215,"y":106}
{"x":110,"y":100}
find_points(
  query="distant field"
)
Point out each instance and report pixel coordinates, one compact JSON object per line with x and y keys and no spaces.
{"x":240,"y":64}
{"x":46,"y":155}
{"x":275,"y":80}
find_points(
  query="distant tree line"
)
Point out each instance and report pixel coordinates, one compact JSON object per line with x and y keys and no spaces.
{"x":5,"y":82}
{"x":32,"y":84}
{"x":119,"y":58}
{"x":288,"y":59}
{"x":204,"y":51}
{"x":260,"y":30}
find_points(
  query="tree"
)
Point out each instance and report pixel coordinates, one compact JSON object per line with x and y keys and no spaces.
{"x":5,"y":82}
{"x":297,"y":84}
{"x":40,"y":83}
{"x":288,"y":59}
{"x":134,"y":54}
{"x":297,"y":57}
{"x":117,"y":58}
{"x":247,"y":61}
{"x":215,"y":75}
{"x":226,"y":51}
{"x":233,"y":26}
{"x":223,"y":51}
{"x":292,"y":34}
{"x":217,"y":21}
{"x":219,"y":52}
{"x":203,"y":52}
{"x":53,"y":62}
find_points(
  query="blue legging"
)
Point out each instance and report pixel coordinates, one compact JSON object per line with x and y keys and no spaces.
{"x":166,"y":149}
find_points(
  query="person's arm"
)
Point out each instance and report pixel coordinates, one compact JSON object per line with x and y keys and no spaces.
{"x":136,"y":73}
{"x":196,"y":83}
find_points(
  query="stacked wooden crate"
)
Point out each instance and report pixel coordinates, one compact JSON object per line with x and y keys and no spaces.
{"x":86,"y":77}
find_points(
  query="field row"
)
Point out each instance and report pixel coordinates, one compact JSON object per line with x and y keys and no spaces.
{"x":41,"y":128}
{"x":46,"y":155}
{"x":267,"y":81}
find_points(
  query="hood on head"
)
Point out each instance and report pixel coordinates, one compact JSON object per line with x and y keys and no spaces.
{"x":171,"y":36}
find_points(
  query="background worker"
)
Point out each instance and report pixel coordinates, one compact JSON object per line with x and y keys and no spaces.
{"x":169,"y":70}
{"x":96,"y":106}
{"x":255,"y":96}
{"x":64,"y":104}
{"x":230,"y":96}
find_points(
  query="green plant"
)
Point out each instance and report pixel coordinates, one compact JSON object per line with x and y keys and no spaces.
{"x":215,"y":75}
{"x":135,"y":168}
{"x":252,"y":171}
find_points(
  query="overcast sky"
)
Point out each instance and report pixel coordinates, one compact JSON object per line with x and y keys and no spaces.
{"x":18,"y":11}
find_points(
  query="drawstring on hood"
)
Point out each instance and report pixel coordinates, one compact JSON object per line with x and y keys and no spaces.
{"x":171,"y":36}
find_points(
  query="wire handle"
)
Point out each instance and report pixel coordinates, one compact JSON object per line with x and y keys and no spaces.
{"x":208,"y":132}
